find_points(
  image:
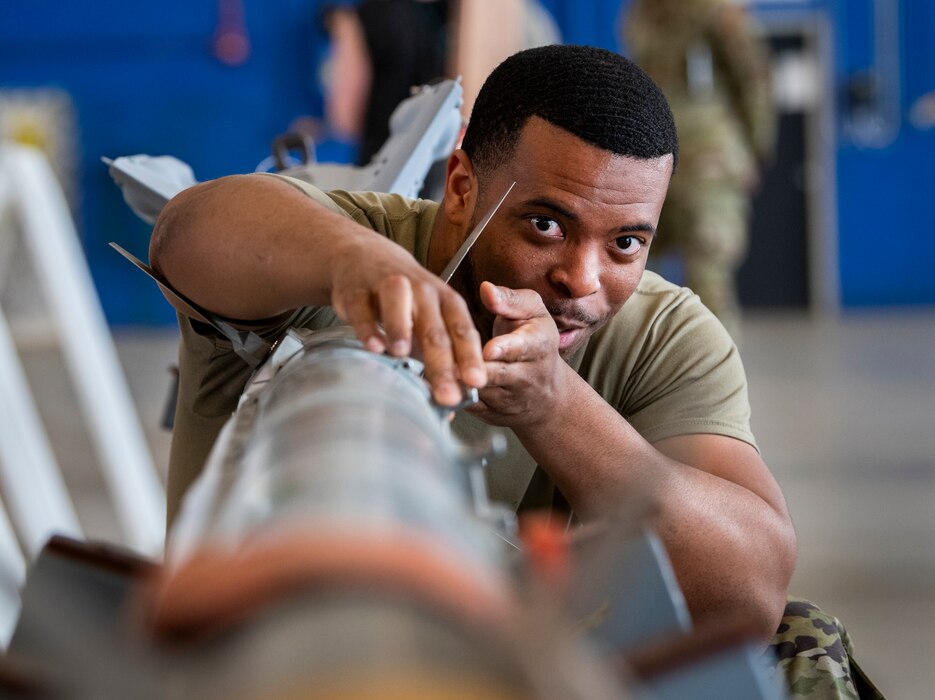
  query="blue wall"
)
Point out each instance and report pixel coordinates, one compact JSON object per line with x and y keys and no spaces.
{"x":886,"y":202}
{"x":144,"y":79}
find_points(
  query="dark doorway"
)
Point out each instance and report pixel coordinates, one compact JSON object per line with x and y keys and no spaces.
{"x":775,"y":272}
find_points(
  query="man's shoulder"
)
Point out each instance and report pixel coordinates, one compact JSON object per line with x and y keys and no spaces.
{"x":654,"y":284}
{"x":405,"y":221}
{"x":394,"y":207}
{"x":361,"y":205}
{"x":667,"y":364}
{"x":659,"y":317}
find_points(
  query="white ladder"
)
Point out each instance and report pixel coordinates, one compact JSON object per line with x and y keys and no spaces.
{"x":35,"y":496}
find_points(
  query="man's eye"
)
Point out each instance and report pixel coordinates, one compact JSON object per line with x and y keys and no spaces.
{"x":546,"y":226}
{"x":629,"y":245}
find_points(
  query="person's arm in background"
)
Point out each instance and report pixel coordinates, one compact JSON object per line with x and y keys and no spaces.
{"x":349,"y":74}
{"x":252,"y":247}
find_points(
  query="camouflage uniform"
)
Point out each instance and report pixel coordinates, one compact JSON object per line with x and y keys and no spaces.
{"x":814,"y":653}
{"x":714,"y":70}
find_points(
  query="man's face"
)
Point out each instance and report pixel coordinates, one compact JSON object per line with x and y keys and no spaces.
{"x":576,"y":229}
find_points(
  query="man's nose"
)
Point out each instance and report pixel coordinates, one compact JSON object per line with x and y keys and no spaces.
{"x":577,"y":272}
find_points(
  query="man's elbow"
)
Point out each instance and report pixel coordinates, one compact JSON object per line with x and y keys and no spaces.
{"x":757,"y":607}
{"x":161,"y":238}
{"x":753,"y":589}
{"x":769,"y":587}
{"x":176,"y":225}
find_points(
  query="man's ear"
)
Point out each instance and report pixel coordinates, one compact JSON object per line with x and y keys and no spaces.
{"x":460,"y":189}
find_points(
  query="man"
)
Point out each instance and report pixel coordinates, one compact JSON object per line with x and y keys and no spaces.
{"x":611,"y":380}
{"x":713,"y":67}
{"x":553,"y":291}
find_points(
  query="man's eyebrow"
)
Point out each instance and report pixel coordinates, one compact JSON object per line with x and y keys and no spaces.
{"x":547,"y":203}
{"x":631,"y":228}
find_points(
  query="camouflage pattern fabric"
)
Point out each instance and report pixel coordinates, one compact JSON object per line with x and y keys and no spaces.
{"x":815,"y":654}
{"x":705,"y":227}
{"x":710,"y":62}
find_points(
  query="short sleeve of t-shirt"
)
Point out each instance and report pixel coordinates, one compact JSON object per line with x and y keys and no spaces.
{"x":407,"y":222}
{"x":669,"y":367}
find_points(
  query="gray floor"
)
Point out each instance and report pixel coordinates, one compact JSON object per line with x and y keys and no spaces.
{"x":845,"y":414}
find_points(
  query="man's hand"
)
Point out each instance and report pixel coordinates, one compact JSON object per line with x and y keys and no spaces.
{"x":524,"y":369}
{"x":396,"y":306}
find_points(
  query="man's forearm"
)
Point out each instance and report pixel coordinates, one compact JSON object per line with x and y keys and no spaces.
{"x":732,"y":548}
{"x":248,"y":247}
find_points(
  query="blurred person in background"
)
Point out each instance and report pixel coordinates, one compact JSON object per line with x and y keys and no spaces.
{"x":381,"y":49}
{"x":713,"y":67}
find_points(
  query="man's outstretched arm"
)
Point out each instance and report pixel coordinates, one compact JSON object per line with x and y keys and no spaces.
{"x":251,"y":247}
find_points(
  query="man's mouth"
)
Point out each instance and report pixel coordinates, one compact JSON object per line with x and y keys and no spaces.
{"x":569,"y":334}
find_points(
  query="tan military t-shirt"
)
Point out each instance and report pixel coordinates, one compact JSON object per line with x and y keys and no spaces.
{"x":664,"y":362}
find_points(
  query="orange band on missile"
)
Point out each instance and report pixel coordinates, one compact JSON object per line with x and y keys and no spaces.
{"x":217,"y":587}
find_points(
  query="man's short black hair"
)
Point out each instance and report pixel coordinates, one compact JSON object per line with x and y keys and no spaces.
{"x":599,"y":96}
